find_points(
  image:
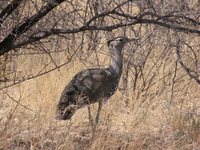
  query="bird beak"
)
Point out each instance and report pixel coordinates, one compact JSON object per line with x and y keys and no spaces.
{"x":133,"y":39}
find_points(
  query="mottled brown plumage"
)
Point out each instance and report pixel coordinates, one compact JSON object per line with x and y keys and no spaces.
{"x":93,"y":85}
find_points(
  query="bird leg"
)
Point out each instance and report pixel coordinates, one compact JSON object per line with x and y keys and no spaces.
{"x":90,"y":117}
{"x":91,"y":121}
{"x":97,"y":116}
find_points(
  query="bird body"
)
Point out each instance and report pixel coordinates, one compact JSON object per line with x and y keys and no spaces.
{"x":92,"y":85}
{"x":88,"y":87}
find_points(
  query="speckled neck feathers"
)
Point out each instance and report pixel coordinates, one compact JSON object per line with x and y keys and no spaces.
{"x":116,"y":62}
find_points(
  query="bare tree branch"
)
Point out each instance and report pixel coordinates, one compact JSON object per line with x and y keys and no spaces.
{"x":166,"y":21}
{"x":137,"y":20}
{"x":7,"y":44}
{"x":17,"y":101}
{"x":8,"y":10}
{"x":33,"y":33}
{"x":190,"y":72}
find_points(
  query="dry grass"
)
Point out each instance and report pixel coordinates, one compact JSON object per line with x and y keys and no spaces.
{"x":153,"y":120}
{"x":165,"y":116}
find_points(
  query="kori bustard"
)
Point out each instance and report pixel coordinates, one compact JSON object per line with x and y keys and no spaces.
{"x":93,"y":85}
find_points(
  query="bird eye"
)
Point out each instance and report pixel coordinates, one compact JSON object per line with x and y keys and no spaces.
{"x":121,"y":40}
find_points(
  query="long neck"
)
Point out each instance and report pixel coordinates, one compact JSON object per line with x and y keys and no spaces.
{"x":116,"y":62}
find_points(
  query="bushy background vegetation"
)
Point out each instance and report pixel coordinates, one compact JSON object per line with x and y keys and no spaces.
{"x":44,"y":43}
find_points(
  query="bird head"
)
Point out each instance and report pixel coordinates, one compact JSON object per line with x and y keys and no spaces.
{"x":65,"y":112}
{"x":119,"y":42}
